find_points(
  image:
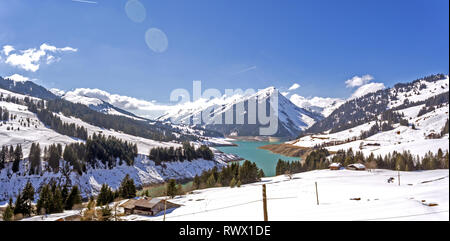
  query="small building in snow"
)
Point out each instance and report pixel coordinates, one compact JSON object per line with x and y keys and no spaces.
{"x":356,"y":167}
{"x":147,"y":206}
{"x":335,"y":166}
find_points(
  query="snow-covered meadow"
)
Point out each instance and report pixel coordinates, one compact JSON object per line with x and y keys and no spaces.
{"x":295,"y":199}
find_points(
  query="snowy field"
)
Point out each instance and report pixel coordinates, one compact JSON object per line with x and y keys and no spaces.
{"x":296,"y":199}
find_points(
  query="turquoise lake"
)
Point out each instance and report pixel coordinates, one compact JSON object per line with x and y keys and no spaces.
{"x":264,"y":159}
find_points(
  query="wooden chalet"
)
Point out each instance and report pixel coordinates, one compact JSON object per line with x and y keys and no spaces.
{"x":147,"y":206}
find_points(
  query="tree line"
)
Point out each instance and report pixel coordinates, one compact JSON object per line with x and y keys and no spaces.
{"x":4,"y":114}
{"x":317,"y":159}
{"x":186,"y":152}
{"x":13,"y":155}
{"x":78,"y":155}
{"x":232,"y":175}
{"x":402,"y":161}
{"x":52,"y":199}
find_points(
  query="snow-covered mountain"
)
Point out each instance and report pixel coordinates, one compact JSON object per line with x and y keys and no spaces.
{"x":94,"y":103}
{"x":291,"y":118}
{"x":369,"y":107}
{"x":321,"y":105}
{"x":407,"y":117}
{"x":26,"y":87}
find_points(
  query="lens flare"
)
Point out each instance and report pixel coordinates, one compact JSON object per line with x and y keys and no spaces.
{"x":156,"y":40}
{"x":135,"y":11}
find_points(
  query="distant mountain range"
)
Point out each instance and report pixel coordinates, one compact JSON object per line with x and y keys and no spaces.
{"x":369,"y":107}
{"x":295,"y":115}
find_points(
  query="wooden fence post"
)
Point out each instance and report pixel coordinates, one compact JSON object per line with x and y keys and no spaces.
{"x":165,"y":207}
{"x":265,"y":203}
{"x":317,"y":195}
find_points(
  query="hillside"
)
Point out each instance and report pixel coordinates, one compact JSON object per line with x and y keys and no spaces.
{"x":22,"y":126}
{"x":369,"y":107}
{"x":408,"y":117}
{"x":26,"y":88}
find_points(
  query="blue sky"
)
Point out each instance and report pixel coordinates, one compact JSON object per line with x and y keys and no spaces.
{"x":229,"y":43}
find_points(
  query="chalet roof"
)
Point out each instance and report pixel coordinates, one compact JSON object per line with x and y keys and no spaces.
{"x":129,"y":204}
{"x":334,"y":164}
{"x":145,"y":203}
{"x":357,"y":166}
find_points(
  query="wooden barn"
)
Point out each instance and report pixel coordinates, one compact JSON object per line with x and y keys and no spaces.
{"x":335,"y":166}
{"x":147,"y":206}
{"x":356,"y":167}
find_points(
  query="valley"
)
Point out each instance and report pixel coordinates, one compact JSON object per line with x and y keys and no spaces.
{"x":407,"y":123}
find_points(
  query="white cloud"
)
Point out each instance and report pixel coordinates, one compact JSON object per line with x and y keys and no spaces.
{"x":358,"y":81}
{"x":46,"y":47}
{"x":18,"y":78}
{"x":294,"y":86}
{"x":52,"y":59}
{"x":285,"y":93}
{"x":30,"y":59}
{"x":366,"y":89}
{"x":7,"y":49}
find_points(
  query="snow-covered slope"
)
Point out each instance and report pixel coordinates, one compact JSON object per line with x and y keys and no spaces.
{"x":402,"y":138}
{"x":292,"y":119}
{"x":295,"y":199}
{"x":143,"y":172}
{"x":369,"y":107}
{"x":93,"y":103}
{"x":17,"y":131}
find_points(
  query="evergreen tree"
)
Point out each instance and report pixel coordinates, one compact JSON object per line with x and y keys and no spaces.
{"x":73,"y":198}
{"x":35,"y":158}
{"x":3,"y":156}
{"x":171,"y":188}
{"x":45,"y":203}
{"x":17,"y":156}
{"x":196,"y":183}
{"x":127,"y":188}
{"x":58,"y":201}
{"x":24,"y":200}
{"x":211,"y":182}
{"x":233,"y":183}
{"x":261,"y":174}
{"x":105,"y":196}
{"x":53,"y":158}
{"x":8,"y":214}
